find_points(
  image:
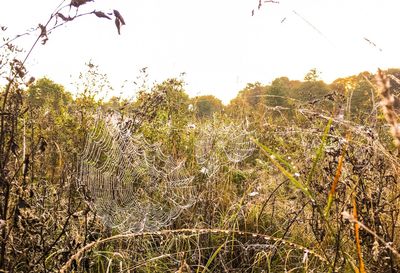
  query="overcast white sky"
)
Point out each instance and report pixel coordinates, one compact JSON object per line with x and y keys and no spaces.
{"x":219,"y":45}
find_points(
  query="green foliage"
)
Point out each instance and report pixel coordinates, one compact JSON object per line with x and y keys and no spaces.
{"x":311,"y":91}
{"x":206,"y":106}
{"x":247,"y":100}
{"x":169,"y":118}
{"x":48,"y":95}
{"x":359,"y":95}
{"x":278,"y":93}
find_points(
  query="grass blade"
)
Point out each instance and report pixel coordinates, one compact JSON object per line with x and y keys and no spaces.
{"x":320,"y":151}
{"x":211,"y":259}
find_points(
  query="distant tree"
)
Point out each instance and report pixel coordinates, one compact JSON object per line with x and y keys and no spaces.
{"x":363,"y":97}
{"x":170,"y":116}
{"x":176,"y":99}
{"x":253,"y":94}
{"x":50,"y":103}
{"x":279,"y":92}
{"x":248,"y":100}
{"x":358,"y":95}
{"x":47,"y":94}
{"x":206,"y":106}
{"x":311,"y":90}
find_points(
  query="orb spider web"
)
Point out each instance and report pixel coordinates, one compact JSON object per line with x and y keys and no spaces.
{"x":237,"y":144}
{"x":219,"y":144}
{"x":130,"y":183}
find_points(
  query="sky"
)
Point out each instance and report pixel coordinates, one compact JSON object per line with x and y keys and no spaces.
{"x":218,"y":44}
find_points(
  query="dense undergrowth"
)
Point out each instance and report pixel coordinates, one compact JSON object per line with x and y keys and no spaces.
{"x":316,"y":193}
{"x":296,"y":176}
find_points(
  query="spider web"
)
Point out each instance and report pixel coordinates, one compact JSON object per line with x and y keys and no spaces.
{"x":129,"y":182}
{"x":219,"y":144}
{"x":237,"y":143}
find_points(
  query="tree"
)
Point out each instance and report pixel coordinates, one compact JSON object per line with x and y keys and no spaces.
{"x":248,"y":100}
{"x":206,"y":106}
{"x":169,"y":119}
{"x":358,"y":95}
{"x":311,"y":91}
{"x":279,"y":92}
{"x":47,"y":94}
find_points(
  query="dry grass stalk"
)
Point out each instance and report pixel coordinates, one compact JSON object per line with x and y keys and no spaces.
{"x":389,"y":104}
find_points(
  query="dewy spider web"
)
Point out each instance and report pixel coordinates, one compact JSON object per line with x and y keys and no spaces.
{"x":237,"y":143}
{"x":217,"y":144}
{"x":130,"y":183}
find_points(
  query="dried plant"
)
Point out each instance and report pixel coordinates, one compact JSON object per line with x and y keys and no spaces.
{"x":390,"y":105}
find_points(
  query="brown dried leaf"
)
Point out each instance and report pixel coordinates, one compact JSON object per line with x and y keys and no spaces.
{"x":30,"y":81}
{"x":119,"y":16}
{"x":63,"y":17}
{"x":78,"y":3}
{"x":118,"y":24}
{"x":44,"y":41}
{"x":101,"y":14}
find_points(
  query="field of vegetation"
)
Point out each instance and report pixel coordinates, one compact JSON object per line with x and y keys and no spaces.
{"x":295,"y":176}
